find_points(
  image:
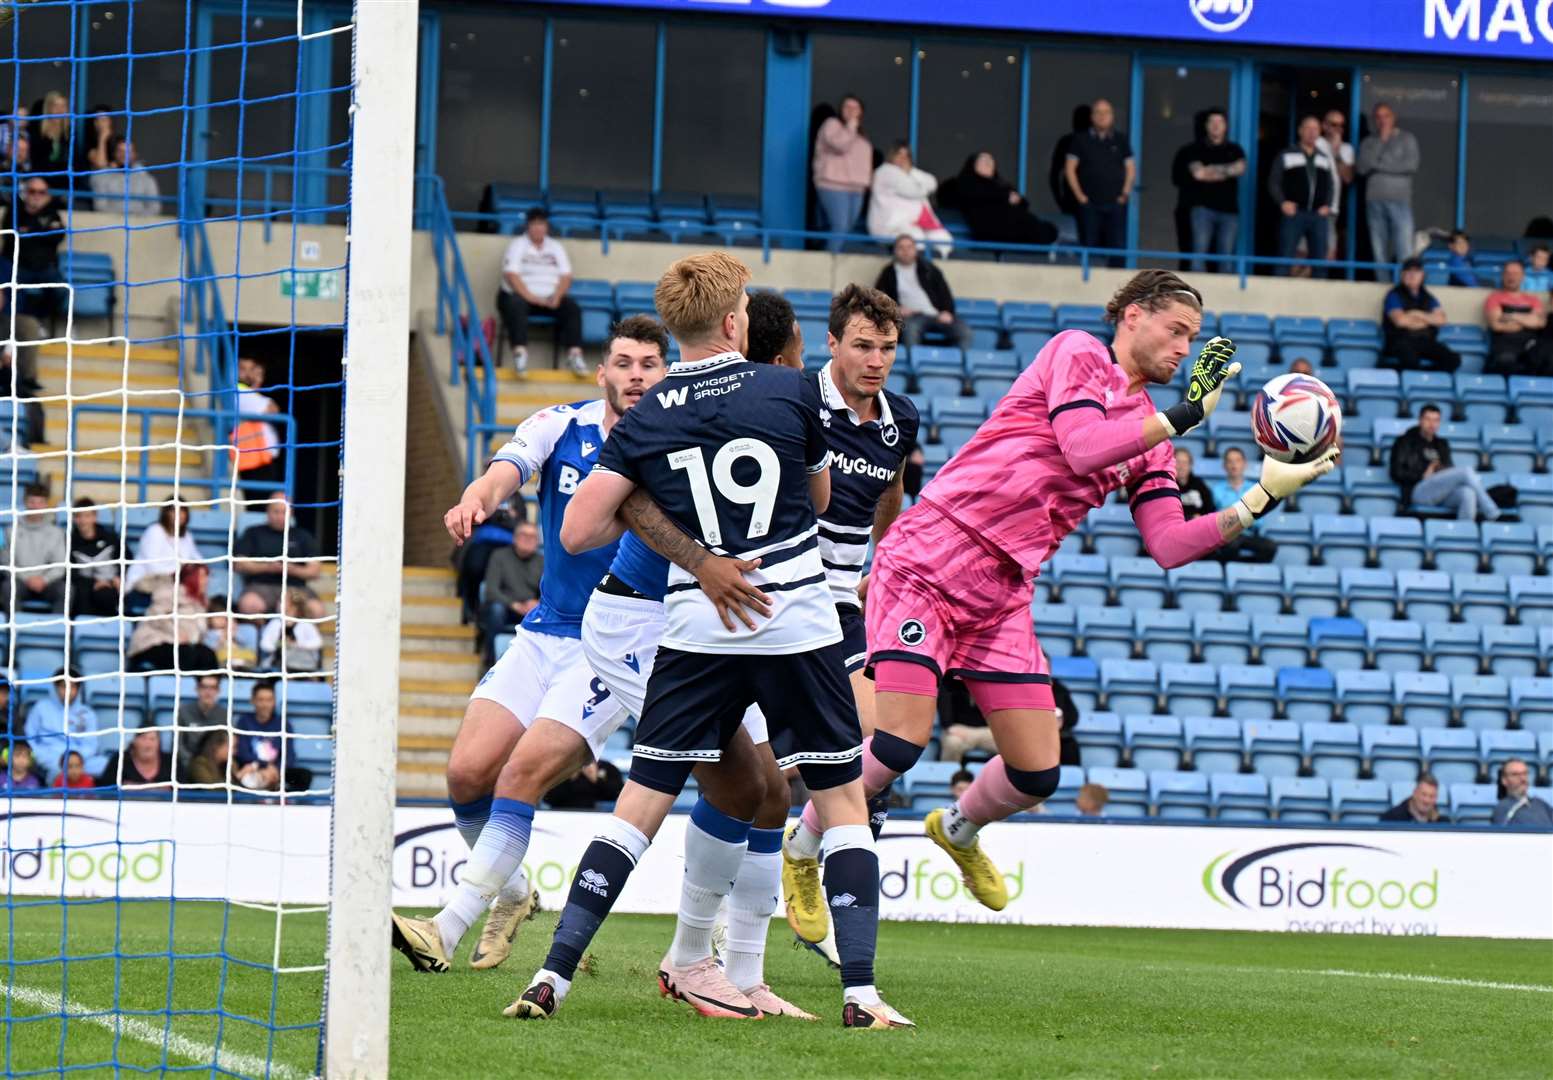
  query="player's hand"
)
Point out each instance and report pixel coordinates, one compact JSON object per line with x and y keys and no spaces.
{"x":1280,"y":480}
{"x":460,"y":521}
{"x":722,"y":580}
{"x":1215,"y":365}
{"x":862,"y":589}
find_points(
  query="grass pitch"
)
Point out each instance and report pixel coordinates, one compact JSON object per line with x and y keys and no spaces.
{"x":996,"y":1000}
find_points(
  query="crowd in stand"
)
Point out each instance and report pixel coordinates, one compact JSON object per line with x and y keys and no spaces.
{"x":87,"y":156}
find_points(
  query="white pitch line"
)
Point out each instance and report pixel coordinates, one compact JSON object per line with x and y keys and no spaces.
{"x":1397,"y":976}
{"x":141,"y":1031}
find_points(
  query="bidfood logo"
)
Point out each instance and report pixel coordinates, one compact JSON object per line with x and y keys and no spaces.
{"x":38,"y":858}
{"x":1328,"y":887}
{"x":1221,"y":16}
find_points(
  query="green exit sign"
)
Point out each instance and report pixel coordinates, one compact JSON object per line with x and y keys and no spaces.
{"x":311,"y":284}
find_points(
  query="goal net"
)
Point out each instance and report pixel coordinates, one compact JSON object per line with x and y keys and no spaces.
{"x":200,"y":649}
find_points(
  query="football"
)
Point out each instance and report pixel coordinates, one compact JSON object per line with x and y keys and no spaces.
{"x":1296,"y":418}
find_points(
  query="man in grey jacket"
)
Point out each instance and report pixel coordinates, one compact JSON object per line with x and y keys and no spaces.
{"x":511,"y":585}
{"x":37,"y":554}
{"x":1520,"y":807}
{"x":1388,"y":158}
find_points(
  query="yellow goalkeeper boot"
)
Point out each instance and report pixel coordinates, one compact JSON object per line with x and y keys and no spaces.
{"x":805,"y":897}
{"x":981,"y":877}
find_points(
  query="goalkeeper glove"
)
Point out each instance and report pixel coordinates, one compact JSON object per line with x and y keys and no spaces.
{"x":1278,"y":481}
{"x":1213,"y":367}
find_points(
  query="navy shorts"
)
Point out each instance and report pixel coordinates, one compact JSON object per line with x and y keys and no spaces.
{"x":854,"y":637}
{"x":696,"y":702}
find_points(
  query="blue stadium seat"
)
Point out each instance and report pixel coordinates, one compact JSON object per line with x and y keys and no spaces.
{"x":1395,"y":645}
{"x":1308,"y":694}
{"x":1455,"y":546}
{"x":1482,"y":702}
{"x":1248,"y":692}
{"x":1272,"y":746}
{"x":1224,"y":637}
{"x":1082,"y":580}
{"x":1069,"y":781}
{"x":1154,"y":742}
{"x":1298,"y":798}
{"x":930,"y":779}
{"x":1531,"y":703}
{"x":1511,"y":547}
{"x":1533,"y":398}
{"x":1166,"y":636}
{"x":1340,"y":540}
{"x":1281,"y":640}
{"x":1365,"y":696}
{"x":1312,"y":590}
{"x":1481,"y":599}
{"x":1453,"y":648}
{"x":1397,"y":543}
{"x":1025,"y":315}
{"x":1312,"y":354}
{"x":1465,"y":338}
{"x":1353,"y":357}
{"x":1214,"y":743}
{"x":980,"y":313}
{"x":1511,"y":447}
{"x":1105,"y":633}
{"x":992,"y":371}
{"x":1239,"y":798}
{"x":1466,"y":439}
{"x":1292,"y":533}
{"x":1129,"y":686}
{"x":1113,"y":531}
{"x":1511,"y":651}
{"x":1473,"y":804}
{"x":1426,"y":387}
{"x":1422,"y":698}
{"x":1128,"y":788}
{"x":1090,"y":317}
{"x":92,"y":277}
{"x":1369,"y":594}
{"x":1099,"y":737}
{"x":1245,"y":328}
{"x":1532,"y":599}
{"x":1482,"y":399}
{"x":1323,"y":496}
{"x":1332,"y":750}
{"x":1361,"y":333}
{"x":1138,"y":583}
{"x":1359,"y":801}
{"x":1391,"y":753}
{"x":1056,"y":625}
{"x":1179,"y":795}
{"x":1369,"y":489}
{"x":1254,"y":356}
{"x":1497,"y":747}
{"x":1197,"y":586}
{"x":1189,"y":689}
{"x":1338,"y":644}
{"x":1253,"y":588}
{"x":1027,"y":343}
{"x":1425,"y":596}
{"x":1081,"y":676}
{"x":1299,"y":330}
{"x":1373,"y":394}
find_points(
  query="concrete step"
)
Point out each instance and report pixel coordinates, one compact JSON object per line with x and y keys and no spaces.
{"x":434,"y":723}
{"x":437,"y":743}
{"x":438,"y":693}
{"x":141,"y":355}
{"x":432,"y":610}
{"x":455,"y":640}
{"x":423,"y":785}
{"x":429,"y":581}
{"x":440,"y":665}
{"x":108,"y":451}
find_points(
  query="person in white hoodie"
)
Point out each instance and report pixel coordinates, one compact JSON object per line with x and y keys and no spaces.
{"x":899,"y":203}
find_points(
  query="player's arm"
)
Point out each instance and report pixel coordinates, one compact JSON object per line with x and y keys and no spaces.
{"x":721,"y":579}
{"x":593,"y":516}
{"x":523,"y":456}
{"x":889,"y":507}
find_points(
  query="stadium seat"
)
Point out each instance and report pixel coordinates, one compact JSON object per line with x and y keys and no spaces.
{"x":1533,"y":398}
{"x":1473,"y":804}
{"x":1396,"y":543}
{"x":1214,"y":743}
{"x":1292,"y":533}
{"x":1369,"y":489}
{"x":1373,"y":394}
{"x":1090,"y":317}
{"x":1450,"y":754}
{"x":1311,"y":590}
{"x":1482,"y":399}
{"x":1339,"y":540}
{"x":1497,"y":747}
{"x":1069,"y":781}
{"x":1082,"y":581}
{"x":1425,"y":596}
{"x":1308,"y":694}
{"x":1128,"y":789}
{"x":1197,"y":586}
{"x":1129,"y":686}
{"x":1100,"y":739}
{"x":992,"y":372}
{"x":1391,"y":753}
{"x":1481,"y":599}
{"x":939,"y":370}
{"x":1338,"y":644}
{"x":1453,"y":648}
{"x":1361,"y":333}
{"x":1298,"y":798}
{"x":1245,"y":328}
{"x":1511,"y":447}
{"x":1532,"y":599}
{"x":91,"y":276}
{"x":1359,"y":801}
{"x":1056,"y":625}
{"x":1394,"y":645}
{"x":1511,"y":547}
{"x":1272,"y":746}
{"x":1179,"y":795}
{"x":1454,"y":546}
{"x":1027,"y":343}
{"x":1255,"y":589}
{"x":1105,"y":633}
{"x":1223,"y":637}
{"x":1166,"y":636}
{"x":1298,"y":330}
{"x":1531,"y":703}
{"x":1138,"y":584}
{"x":1154,"y":742}
{"x":1368,"y":594}
{"x":1351,"y":358}
{"x":1512,"y":651}
{"x":1422,"y":698}
{"x":1081,"y":677}
{"x":1365,"y":697}
{"x":1248,"y":692}
{"x":1189,"y":689}
{"x":1281,"y":640}
{"x":1482,"y":702}
{"x":1026,"y":315}
{"x":1465,"y":338}
{"x":1238,"y":797}
{"x":1113,"y":532}
{"x":1426,"y":387}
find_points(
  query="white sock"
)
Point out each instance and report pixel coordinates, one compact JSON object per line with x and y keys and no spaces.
{"x":960,"y":829}
{"x":750,"y":907}
{"x":517,"y":887}
{"x":802,"y":842}
{"x":460,"y":914}
{"x":862,"y":995}
{"x":711,"y":865}
{"x":560,"y":985}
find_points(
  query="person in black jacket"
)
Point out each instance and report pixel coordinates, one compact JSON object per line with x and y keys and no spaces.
{"x":925,"y":301}
{"x":1413,"y":317}
{"x":1421,"y":466}
{"x":1196,"y":497}
{"x":39,"y":229}
{"x":1421,"y":807}
{"x":1300,"y":182}
{"x":996,"y":212}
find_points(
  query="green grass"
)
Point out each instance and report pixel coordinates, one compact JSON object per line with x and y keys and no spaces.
{"x":997,"y":1000}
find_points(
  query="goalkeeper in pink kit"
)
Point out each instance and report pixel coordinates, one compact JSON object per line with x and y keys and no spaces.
{"x":952,"y":582}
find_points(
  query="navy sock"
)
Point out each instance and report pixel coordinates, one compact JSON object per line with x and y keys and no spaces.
{"x":878,"y":812}
{"x":600,"y":877}
{"x":852,"y":883}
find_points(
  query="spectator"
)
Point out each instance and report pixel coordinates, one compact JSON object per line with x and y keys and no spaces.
{"x":19,"y":361}
{"x":163,"y":549}
{"x":1301,"y":183}
{"x":1301,"y":366}
{"x":1422,"y":806}
{"x":1539,"y":278}
{"x":125,"y":185}
{"x":13,"y":721}
{"x":19,"y":772}
{"x":536,"y":273}
{"x":1057,"y":171}
{"x":1421,"y":466}
{"x":843,"y":170}
{"x":471,"y":558}
{"x":959,"y":782}
{"x":1100,"y":172}
{"x":995,"y":212}
{"x":270,"y":556}
{"x":899,"y":202}
{"x":1413,"y":318}
{"x":264,"y":746}
{"x":964,"y":728}
{"x":95,"y":551}
{"x":62,"y":721}
{"x":1460,"y":262}
{"x":774,"y":335}
{"x":1334,"y":125}
{"x":926,"y":303}
{"x":208,"y":765}
{"x":258,"y":446}
{"x":1091,"y":800}
{"x":50,"y":135}
{"x":1212,"y":192}
{"x":145,"y":764}
{"x":40,"y":229}
{"x":596,"y":782}
{"x":37,"y":554}
{"x":1196,"y":498}
{"x":171,"y":636}
{"x":204,"y":710}
{"x":15,"y":150}
{"x":1517,"y":806}
{"x":75,"y":774}
{"x":511,"y":585}
{"x":1250,"y":546}
{"x":290,"y":642}
{"x":94,"y":146}
{"x":1388,"y":158}
{"x":1516,"y":319}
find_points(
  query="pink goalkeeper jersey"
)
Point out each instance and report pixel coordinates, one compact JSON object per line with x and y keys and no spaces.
{"x":1011,"y":484}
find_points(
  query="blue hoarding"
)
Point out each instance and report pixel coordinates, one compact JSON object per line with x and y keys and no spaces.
{"x":1500,"y":29}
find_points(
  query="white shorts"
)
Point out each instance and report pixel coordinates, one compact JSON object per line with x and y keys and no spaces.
{"x":620,"y":636}
{"x":544,"y":675}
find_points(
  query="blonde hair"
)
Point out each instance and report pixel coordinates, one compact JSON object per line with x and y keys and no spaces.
{"x":695,"y":293}
{"x":54,"y":125}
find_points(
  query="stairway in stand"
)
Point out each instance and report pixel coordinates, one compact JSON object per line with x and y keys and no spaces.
{"x":438,"y":669}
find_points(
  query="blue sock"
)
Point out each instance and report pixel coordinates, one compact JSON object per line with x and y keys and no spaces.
{"x":502,"y":845}
{"x":766,"y":841}
{"x":470,"y":818}
{"x":601,"y":875}
{"x":852,"y":884}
